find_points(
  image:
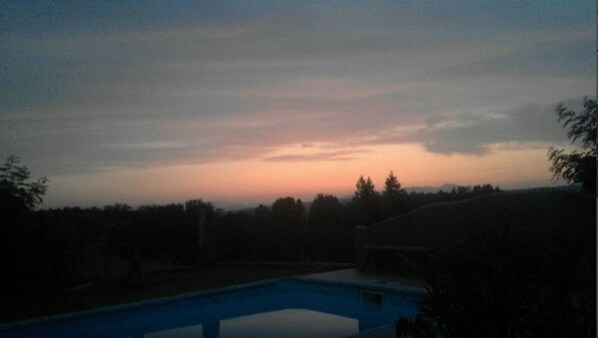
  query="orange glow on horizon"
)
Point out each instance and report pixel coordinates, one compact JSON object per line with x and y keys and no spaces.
{"x":263,"y":181}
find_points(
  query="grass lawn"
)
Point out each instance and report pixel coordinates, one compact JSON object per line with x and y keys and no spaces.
{"x":156,"y":284}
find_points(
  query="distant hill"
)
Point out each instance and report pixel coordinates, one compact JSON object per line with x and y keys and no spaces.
{"x":445,"y":187}
{"x":449,"y":186}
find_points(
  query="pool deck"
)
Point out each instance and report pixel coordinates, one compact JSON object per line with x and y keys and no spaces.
{"x":384,"y":331}
{"x":354,"y":277}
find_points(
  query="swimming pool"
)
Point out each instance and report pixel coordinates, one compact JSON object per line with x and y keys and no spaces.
{"x":279,"y":308}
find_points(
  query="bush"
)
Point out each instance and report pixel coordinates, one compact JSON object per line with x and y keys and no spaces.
{"x":511,"y":281}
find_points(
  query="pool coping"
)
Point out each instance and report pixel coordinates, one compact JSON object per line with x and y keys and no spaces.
{"x":190,"y":295}
{"x":365,"y":284}
{"x":133,"y":305}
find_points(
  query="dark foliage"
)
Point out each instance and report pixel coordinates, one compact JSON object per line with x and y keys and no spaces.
{"x":329,"y":231}
{"x":17,"y":192}
{"x":22,"y":255}
{"x":512,"y":280}
{"x":366,"y":203}
{"x":288,"y":212}
{"x":577,"y":166}
{"x":394,"y":198}
{"x":416,"y":327}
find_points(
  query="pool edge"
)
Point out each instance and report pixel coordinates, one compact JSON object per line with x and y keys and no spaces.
{"x":132,"y":305}
{"x":190,"y":295}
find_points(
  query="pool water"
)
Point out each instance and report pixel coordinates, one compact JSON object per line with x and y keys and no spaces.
{"x":283,"y":323}
{"x":282,"y":308}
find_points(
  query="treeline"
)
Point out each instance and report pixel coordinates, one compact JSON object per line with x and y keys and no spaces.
{"x":68,"y":245}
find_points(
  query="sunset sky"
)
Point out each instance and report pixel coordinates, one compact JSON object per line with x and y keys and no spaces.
{"x":245,"y":101}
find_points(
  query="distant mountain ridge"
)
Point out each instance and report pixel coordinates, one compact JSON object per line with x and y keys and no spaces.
{"x":447,"y":187}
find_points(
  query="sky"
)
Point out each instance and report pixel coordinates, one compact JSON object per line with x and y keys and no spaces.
{"x":144,"y":102}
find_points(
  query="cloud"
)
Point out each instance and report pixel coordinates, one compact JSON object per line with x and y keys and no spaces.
{"x":455,"y":78}
{"x":340,"y":155}
{"x":473,"y":133}
{"x":147,"y":145}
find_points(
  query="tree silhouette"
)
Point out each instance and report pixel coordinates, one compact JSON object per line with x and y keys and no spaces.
{"x":330,"y":236}
{"x":16,"y":191}
{"x":325,"y":212}
{"x":392,"y":187}
{"x":288,"y":222}
{"x":288,"y":211}
{"x":394,"y":197}
{"x":22,"y":255}
{"x":366,"y":201}
{"x":365,"y":189}
{"x":577,"y":166}
{"x":262,"y":214}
